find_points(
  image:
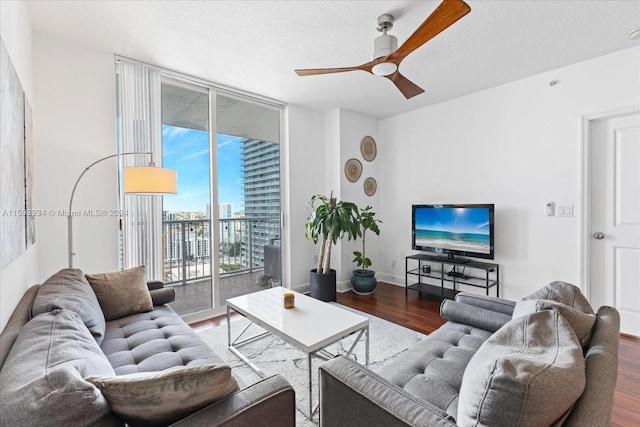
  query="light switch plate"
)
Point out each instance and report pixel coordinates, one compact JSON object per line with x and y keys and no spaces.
{"x":565,"y":210}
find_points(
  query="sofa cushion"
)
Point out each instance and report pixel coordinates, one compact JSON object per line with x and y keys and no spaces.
{"x":122,"y":292}
{"x":432,"y":369}
{"x":159,"y":398}
{"x":580,"y":322}
{"x":529,"y":373}
{"x":42,"y":379}
{"x":478,"y":317}
{"x":564,"y":293}
{"x":153,"y":341}
{"x":69,"y":289}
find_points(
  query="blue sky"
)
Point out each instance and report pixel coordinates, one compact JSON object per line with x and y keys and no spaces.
{"x":187,"y":151}
{"x":454,"y":220}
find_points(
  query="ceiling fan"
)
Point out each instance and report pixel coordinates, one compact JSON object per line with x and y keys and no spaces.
{"x":386,"y":58}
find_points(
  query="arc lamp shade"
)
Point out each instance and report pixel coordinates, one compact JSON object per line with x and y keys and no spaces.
{"x":150,"y":180}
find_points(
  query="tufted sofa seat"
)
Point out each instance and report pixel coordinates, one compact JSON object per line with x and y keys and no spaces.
{"x":434,"y":367}
{"x":153,"y":341}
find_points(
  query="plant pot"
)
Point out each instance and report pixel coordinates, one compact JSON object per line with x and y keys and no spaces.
{"x":363,"y":282}
{"x":323,"y":286}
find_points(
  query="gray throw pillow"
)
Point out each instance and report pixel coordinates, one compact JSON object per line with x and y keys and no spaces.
{"x":122,"y":292}
{"x":581,"y":323}
{"x":42,"y":379}
{"x":529,"y":373}
{"x":160,"y":398}
{"x":563,"y":292}
{"x":69,"y":289}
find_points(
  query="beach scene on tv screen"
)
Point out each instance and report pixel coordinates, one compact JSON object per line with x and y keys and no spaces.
{"x":460,"y":229}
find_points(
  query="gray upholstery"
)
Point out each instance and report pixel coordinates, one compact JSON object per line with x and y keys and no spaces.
{"x":162,"y":296}
{"x":594,"y":406}
{"x":153,"y":341}
{"x":44,"y":361}
{"x":580,"y":322}
{"x":18,"y":319}
{"x":473,"y":316}
{"x":527,"y":374}
{"x":42,"y":379}
{"x":422,"y":386}
{"x":432,"y":369}
{"x":353,"y":396}
{"x":499,"y":305}
{"x":69,"y":289}
{"x":565,"y":293}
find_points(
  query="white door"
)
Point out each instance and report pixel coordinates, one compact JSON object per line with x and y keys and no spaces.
{"x":614,"y":226}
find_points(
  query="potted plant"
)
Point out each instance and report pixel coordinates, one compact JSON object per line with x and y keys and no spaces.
{"x":329,"y":221}
{"x":364,"y":281}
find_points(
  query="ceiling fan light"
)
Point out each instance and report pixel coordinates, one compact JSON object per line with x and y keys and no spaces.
{"x":384,"y":68}
{"x":384,"y":45}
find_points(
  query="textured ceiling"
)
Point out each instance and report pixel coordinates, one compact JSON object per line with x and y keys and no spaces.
{"x":255,"y":45}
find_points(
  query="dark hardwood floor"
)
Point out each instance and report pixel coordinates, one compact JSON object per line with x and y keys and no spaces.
{"x":389,"y":303}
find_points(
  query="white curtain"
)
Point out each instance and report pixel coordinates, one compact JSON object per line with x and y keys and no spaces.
{"x":140,"y":130}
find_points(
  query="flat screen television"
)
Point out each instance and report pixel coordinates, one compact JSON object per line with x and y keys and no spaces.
{"x":456,"y":231}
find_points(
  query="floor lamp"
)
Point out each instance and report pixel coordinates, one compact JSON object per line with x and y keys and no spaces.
{"x":136,"y":180}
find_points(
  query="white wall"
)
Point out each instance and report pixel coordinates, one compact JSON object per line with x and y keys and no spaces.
{"x":516,"y":145}
{"x":75,"y":126}
{"x":343,"y":132}
{"x":353,"y":128}
{"x":305,"y":164}
{"x":15,"y":29}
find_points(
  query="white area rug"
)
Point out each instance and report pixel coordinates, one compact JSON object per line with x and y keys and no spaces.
{"x":274,"y":356}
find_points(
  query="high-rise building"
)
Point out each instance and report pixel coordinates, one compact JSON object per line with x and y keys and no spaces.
{"x":261,"y":164}
{"x":225,"y":212}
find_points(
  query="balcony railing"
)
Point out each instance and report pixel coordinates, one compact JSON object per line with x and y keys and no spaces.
{"x":187,"y":246}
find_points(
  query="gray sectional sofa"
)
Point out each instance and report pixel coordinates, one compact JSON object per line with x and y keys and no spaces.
{"x":68,"y":356}
{"x":547,"y":360}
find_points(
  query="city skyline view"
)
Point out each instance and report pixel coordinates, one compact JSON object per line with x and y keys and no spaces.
{"x":187,"y":151}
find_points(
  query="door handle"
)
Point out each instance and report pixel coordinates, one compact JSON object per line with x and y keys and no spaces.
{"x":598,"y":235}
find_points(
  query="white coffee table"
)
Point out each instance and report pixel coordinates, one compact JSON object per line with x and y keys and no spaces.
{"x":309,"y":327}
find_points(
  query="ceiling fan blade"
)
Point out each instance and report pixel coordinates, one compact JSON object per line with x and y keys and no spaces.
{"x":316,"y":71}
{"x":440,"y":19}
{"x":406,"y":86}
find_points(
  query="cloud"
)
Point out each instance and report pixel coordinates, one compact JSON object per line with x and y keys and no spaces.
{"x":193,"y":155}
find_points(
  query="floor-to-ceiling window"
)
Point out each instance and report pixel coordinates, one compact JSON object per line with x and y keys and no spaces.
{"x":222,"y":233}
{"x":186,"y":217}
{"x":248,"y":189}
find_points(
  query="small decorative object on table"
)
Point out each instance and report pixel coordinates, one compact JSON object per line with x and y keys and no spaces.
{"x":289,"y":300}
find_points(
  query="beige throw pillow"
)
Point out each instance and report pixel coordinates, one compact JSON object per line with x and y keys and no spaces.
{"x":160,"y":398}
{"x":122,"y":292}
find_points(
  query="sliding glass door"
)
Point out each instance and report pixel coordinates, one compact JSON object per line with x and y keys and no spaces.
{"x":248,"y":189}
{"x":186,"y":219}
{"x":221,"y":234}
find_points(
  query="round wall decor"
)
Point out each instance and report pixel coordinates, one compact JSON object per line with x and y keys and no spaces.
{"x":353,"y":169}
{"x":370,"y":186}
{"x":368,"y":148}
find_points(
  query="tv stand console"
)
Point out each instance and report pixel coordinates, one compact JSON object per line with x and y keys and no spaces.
{"x":439,"y":277}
